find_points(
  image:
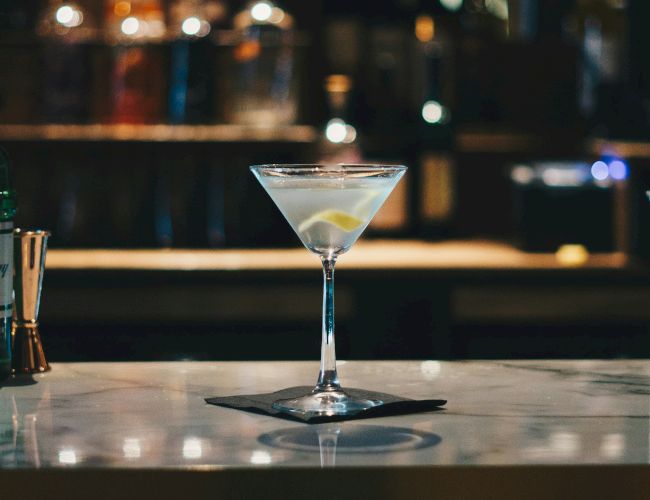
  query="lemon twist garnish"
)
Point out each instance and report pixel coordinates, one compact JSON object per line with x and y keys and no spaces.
{"x":342,"y":220}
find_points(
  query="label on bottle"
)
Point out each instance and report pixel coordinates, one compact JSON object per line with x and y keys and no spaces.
{"x":6,"y":268}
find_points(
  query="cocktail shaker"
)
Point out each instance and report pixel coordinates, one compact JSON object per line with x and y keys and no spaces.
{"x":29,"y":261}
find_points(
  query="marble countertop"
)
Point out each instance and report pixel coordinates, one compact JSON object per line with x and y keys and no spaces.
{"x":125,"y":416}
{"x":152,"y":415}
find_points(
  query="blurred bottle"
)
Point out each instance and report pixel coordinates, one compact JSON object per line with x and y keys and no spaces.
{"x":264,"y":85}
{"x":67,"y":30}
{"x":599,"y":28}
{"x":138,"y":86}
{"x":7,"y":213}
{"x":193,"y":59}
{"x":434,"y":173}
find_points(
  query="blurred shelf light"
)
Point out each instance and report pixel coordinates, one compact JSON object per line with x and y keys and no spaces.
{"x":618,"y":170}
{"x":522,"y":174}
{"x":262,"y":11}
{"x":122,"y":9}
{"x":337,"y":131}
{"x":452,"y":5}
{"x":600,"y":170}
{"x":425,"y":28}
{"x":191,"y":26}
{"x":69,"y":16}
{"x":563,"y":177}
{"x":572,"y":255}
{"x":277,"y":15}
{"x":130,"y":26}
{"x":433,"y":112}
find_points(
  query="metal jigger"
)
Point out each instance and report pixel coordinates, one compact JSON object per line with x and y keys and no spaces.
{"x":29,"y":261}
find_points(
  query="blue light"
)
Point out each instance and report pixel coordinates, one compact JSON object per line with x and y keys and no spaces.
{"x":618,"y":170}
{"x":600,"y":170}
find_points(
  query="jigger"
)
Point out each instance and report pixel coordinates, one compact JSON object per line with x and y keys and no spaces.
{"x":29,"y":261}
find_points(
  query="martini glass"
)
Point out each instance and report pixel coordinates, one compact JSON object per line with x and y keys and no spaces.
{"x":328,"y":206}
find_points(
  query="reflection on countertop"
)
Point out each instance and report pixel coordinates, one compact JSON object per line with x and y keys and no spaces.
{"x":152,"y":415}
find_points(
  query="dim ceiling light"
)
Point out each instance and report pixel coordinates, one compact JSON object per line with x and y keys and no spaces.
{"x":261,"y":11}
{"x":433,"y":112}
{"x":191,"y":26}
{"x":130,"y":26}
{"x":452,"y":5}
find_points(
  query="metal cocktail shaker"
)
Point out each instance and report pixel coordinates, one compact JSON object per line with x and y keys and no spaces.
{"x":29,"y":262}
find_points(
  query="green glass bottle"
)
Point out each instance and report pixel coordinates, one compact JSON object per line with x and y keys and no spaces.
{"x":7,"y":212}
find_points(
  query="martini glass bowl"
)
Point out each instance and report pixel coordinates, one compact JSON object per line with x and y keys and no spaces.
{"x":328,"y":206}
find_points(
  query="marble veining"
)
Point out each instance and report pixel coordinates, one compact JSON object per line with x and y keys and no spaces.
{"x":152,"y":415}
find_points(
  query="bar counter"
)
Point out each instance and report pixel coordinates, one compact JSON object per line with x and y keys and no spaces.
{"x":511,"y":429}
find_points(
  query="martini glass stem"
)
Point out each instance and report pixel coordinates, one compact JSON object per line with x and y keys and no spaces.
{"x":328,"y":380}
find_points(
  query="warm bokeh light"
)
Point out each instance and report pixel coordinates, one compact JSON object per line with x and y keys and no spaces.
{"x":122,"y":9}
{"x":277,"y":15}
{"x":424,"y":28}
{"x":130,"y":26}
{"x":522,"y":174}
{"x":335,"y":130}
{"x":262,"y":11}
{"x":572,"y":255}
{"x":433,"y":112}
{"x":69,"y":16}
{"x":191,"y":26}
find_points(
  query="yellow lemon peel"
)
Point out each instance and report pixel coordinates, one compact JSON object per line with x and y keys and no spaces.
{"x":342,"y":220}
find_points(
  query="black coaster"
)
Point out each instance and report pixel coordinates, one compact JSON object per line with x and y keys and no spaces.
{"x":262,"y":404}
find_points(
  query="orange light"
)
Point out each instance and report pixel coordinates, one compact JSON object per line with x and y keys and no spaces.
{"x":122,"y":9}
{"x":247,"y":50}
{"x":425,"y":28}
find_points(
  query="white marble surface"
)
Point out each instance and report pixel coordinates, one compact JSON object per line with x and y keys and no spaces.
{"x":152,"y":415}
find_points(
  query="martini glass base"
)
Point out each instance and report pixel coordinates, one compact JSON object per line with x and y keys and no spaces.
{"x":325,"y":404}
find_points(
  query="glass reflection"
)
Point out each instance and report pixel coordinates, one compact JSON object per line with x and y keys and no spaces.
{"x":131,"y":448}
{"x":67,"y":456}
{"x":192,"y":448}
{"x":330,"y":440}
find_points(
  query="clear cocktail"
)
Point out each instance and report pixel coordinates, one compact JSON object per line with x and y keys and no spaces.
{"x":328,"y":207}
